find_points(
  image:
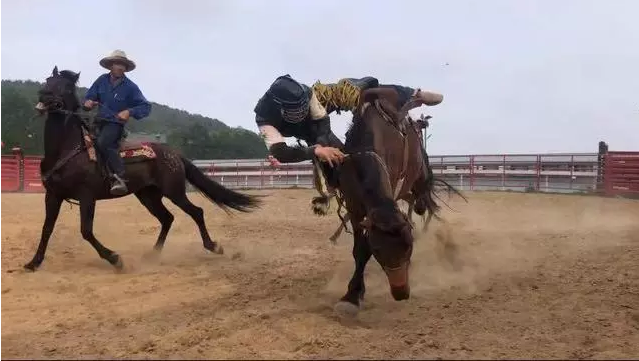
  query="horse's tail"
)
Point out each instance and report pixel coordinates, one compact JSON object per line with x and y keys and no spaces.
{"x":432,"y":206}
{"x":431,"y":195}
{"x":217,"y":193}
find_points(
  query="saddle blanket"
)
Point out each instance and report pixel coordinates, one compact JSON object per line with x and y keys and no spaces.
{"x":130,"y":152}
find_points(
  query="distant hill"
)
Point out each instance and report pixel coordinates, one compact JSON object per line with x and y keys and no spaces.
{"x":197,"y":136}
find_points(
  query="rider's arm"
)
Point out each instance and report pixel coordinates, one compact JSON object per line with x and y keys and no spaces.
{"x":92,"y":93}
{"x":139,"y":107}
{"x":278,"y":148}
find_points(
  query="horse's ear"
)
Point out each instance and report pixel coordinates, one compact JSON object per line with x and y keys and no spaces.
{"x":55,"y":71}
{"x":76,"y":78}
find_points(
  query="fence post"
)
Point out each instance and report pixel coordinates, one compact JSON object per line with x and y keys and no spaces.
{"x":503,"y":173}
{"x":261,"y":174}
{"x":572,"y":170}
{"x":472,"y":172}
{"x":601,"y":164}
{"x":538,"y":171}
{"x":19,"y":155}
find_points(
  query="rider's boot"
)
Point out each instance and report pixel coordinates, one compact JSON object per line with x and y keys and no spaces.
{"x":118,"y":186}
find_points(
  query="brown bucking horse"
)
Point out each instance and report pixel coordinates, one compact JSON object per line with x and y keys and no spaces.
{"x":71,"y":170}
{"x":384,"y":164}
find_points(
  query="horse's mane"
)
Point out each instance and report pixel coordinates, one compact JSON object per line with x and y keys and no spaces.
{"x":358,"y":134}
{"x":70,"y":75}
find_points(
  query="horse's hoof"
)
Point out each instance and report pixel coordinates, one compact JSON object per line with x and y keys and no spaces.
{"x":118,"y":264}
{"x":215,"y":248}
{"x":346,"y":309}
{"x":31,"y":267}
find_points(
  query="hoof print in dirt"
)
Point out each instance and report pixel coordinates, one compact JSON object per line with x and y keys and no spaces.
{"x":151,"y":256}
{"x":346,"y":309}
{"x":238,"y":256}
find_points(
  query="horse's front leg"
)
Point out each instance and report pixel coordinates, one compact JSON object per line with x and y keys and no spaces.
{"x":87,"y":214}
{"x":52,"y":204}
{"x":350,"y":303}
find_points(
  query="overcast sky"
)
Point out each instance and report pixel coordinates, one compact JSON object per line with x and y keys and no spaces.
{"x":522,"y":76}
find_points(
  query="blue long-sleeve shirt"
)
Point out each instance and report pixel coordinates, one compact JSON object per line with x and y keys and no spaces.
{"x":114,"y":98}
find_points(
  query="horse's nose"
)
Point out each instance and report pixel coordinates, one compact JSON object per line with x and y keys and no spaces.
{"x":400,"y":293}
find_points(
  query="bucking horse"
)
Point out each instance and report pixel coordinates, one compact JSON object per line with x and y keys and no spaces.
{"x":71,"y":170}
{"x":383,"y":165}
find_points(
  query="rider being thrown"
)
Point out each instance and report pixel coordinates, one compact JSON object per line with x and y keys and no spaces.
{"x":291,"y":109}
{"x":118,"y":98}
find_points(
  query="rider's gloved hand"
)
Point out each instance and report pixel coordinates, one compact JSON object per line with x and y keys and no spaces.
{"x":329,"y":154}
{"x":89,"y":104}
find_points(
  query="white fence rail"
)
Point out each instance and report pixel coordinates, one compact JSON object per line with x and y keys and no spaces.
{"x":543,"y":172}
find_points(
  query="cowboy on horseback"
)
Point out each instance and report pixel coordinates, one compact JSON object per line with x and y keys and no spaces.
{"x":118,"y":99}
{"x":291,"y":109}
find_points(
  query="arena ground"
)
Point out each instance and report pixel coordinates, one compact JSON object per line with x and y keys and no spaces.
{"x":509,"y":276}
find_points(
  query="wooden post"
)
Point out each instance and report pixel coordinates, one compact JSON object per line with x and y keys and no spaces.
{"x":601,"y":164}
{"x":19,"y":155}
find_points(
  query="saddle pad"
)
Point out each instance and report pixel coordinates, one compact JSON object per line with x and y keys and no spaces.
{"x":130,"y":154}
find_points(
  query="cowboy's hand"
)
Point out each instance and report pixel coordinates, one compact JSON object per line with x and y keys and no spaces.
{"x":89,"y":104}
{"x":274,"y":162}
{"x":329,"y":154}
{"x":124,"y":115}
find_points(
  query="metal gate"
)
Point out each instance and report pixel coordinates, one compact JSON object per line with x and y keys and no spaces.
{"x":621,"y":173}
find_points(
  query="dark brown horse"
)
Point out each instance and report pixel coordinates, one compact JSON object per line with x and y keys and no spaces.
{"x":384,"y":164}
{"x":69,"y":171}
{"x":427,"y":199}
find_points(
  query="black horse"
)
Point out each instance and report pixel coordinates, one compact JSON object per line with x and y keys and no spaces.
{"x":69,"y":172}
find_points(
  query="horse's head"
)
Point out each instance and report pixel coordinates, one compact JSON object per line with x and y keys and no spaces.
{"x":391,"y":240}
{"x":58,"y":92}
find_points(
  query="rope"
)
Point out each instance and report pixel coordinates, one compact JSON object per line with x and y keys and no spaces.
{"x":337,"y":97}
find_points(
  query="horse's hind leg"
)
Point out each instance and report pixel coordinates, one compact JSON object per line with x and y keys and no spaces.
{"x":151,"y":199}
{"x":198,"y":216}
{"x":87,"y":214}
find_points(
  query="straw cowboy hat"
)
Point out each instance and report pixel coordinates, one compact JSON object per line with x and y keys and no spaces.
{"x":119,"y":56}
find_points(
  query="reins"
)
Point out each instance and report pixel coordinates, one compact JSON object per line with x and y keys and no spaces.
{"x":83,"y":119}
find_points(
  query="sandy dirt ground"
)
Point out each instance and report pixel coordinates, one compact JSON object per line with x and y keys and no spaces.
{"x":508,"y":276}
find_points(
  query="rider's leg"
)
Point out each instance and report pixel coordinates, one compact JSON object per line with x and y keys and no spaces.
{"x":108,"y":142}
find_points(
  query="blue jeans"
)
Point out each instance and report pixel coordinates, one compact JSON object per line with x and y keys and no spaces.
{"x":405,"y":93}
{"x":108,"y":145}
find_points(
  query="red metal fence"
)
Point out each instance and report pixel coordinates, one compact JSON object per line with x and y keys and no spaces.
{"x":10,"y":173}
{"x":584,"y":172}
{"x":621,"y":175}
{"x":31,"y":181}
